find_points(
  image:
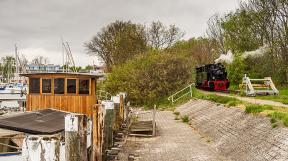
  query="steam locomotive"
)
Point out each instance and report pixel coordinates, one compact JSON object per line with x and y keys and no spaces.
{"x":212,"y":77}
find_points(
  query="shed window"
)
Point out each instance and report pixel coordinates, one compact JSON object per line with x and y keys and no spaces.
{"x":84,"y":86}
{"x":59,"y":86}
{"x":34,"y":85}
{"x":46,"y":85}
{"x":71,"y":85}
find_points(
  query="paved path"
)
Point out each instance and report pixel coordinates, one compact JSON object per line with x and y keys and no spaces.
{"x":175,"y":141}
{"x":250,"y":99}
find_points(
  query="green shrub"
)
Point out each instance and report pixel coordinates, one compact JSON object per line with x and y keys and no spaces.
{"x":254,"y":108}
{"x":274,"y":125}
{"x":185,"y":119}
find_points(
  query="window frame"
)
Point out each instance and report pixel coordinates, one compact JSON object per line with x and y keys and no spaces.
{"x":76,"y":86}
{"x":51,"y":85}
{"x":64,"y":92}
{"x":40,"y":86}
{"x":89,"y":86}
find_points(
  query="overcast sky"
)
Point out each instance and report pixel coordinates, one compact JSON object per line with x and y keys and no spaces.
{"x":36,"y":26}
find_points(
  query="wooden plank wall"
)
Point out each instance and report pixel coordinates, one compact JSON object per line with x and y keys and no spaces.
{"x":77,"y":104}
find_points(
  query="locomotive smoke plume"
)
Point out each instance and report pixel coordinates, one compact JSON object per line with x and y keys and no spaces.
{"x":226,"y":58}
{"x":256,"y":53}
{"x":229,"y":57}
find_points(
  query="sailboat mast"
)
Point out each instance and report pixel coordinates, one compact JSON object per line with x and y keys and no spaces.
{"x":16,"y":59}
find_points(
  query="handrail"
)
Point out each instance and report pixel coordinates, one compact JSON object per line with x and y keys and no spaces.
{"x":172,"y":97}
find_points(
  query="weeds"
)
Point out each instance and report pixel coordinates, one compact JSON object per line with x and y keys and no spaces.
{"x":280,"y":116}
{"x":273,"y":120}
{"x":185,"y":119}
{"x":176,"y":113}
{"x":274,"y":125}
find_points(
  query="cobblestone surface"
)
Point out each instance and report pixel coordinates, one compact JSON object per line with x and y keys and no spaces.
{"x":175,"y":141}
{"x":236,"y":135}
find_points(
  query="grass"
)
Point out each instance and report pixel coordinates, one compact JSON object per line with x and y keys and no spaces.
{"x":280,"y":116}
{"x":228,"y":101}
{"x":185,"y":119}
{"x":275,"y":113}
{"x":282,"y":97}
{"x":176,"y":113}
{"x":274,"y":125}
{"x":255,"y":108}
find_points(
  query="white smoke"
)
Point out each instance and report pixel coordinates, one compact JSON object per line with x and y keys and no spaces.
{"x":225,"y":58}
{"x":256,"y":53}
{"x":229,"y":57}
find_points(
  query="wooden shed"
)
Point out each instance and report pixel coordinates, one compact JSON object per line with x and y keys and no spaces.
{"x":72,"y":92}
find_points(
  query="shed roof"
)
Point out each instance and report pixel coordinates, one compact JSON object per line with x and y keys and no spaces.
{"x":47,"y":121}
{"x":91,"y":75}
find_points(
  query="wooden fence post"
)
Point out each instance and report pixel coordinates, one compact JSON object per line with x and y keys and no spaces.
{"x":127,"y":111}
{"x":117,"y":123}
{"x":108,"y":125}
{"x":75,"y":137}
{"x":122,"y":104}
{"x":97,"y":132}
{"x":153,"y":122}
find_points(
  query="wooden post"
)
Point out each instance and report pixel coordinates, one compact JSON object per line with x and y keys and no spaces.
{"x":97,"y":132}
{"x":127,"y":111}
{"x":108,"y":126}
{"x":122,"y":104}
{"x":117,"y":123}
{"x":153,"y":122}
{"x":191,"y":91}
{"x":75,"y":137}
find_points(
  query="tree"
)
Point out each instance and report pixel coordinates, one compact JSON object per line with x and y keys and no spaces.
{"x":150,"y":77}
{"x":23,"y":62}
{"x":40,"y":60}
{"x":216,"y":33}
{"x":8,"y":67}
{"x":162,"y":37}
{"x":118,"y":42}
{"x":89,"y":67}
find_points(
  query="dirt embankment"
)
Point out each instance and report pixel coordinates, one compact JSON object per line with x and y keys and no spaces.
{"x":235,"y":134}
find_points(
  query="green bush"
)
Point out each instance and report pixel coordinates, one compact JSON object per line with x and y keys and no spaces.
{"x":254,"y":108}
{"x":150,"y":77}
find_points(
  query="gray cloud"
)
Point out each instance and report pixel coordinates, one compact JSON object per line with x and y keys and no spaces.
{"x":39,"y":24}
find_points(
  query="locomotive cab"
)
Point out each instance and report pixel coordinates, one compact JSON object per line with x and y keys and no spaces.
{"x":212,"y":77}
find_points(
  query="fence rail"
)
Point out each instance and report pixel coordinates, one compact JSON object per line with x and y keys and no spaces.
{"x":178,"y":95}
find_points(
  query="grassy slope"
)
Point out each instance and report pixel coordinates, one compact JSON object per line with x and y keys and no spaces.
{"x":278,"y":115}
